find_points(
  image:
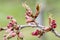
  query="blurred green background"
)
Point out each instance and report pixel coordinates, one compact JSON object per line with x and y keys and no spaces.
{"x":15,"y":9}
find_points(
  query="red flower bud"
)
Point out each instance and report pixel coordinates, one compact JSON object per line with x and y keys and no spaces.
{"x":17,"y":27}
{"x":35,"y":33}
{"x":9,"y":17}
{"x":53,"y":24}
{"x":10,"y":25}
{"x":13,"y":34}
{"x":53,"y":21}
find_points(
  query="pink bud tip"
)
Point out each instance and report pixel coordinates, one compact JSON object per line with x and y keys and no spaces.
{"x":54,"y":25}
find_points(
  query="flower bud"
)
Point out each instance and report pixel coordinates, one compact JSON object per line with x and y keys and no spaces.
{"x":9,"y":17}
{"x":35,"y":33}
{"x":53,"y":24}
{"x":13,"y":21}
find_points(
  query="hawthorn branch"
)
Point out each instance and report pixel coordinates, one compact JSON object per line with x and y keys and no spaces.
{"x":56,"y":33}
{"x":42,"y":27}
{"x":39,"y":26}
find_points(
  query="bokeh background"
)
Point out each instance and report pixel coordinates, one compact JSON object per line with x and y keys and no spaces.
{"x":15,"y":9}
